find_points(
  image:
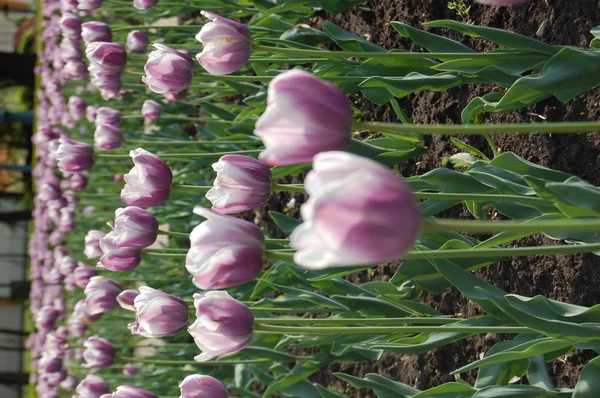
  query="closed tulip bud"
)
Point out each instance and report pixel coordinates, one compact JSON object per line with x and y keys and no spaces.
{"x":224,"y":251}
{"x":132,"y":392}
{"x":92,"y":387}
{"x":115,"y":258}
{"x":359,"y":213}
{"x":90,"y":113}
{"x":159,"y":314}
{"x":95,"y":31}
{"x":106,"y":115}
{"x":88,"y":5}
{"x":144,"y":4}
{"x":107,"y":137}
{"x":151,"y":110}
{"x":67,"y":265}
{"x":73,"y":156}
{"x":92,"y":244}
{"x":118,"y":178}
{"x":76,"y":107}
{"x":129,"y":369}
{"x":101,"y":294}
{"x":75,"y":70}
{"x":83,"y":273}
{"x":70,"y":26}
{"x":99,"y":353}
{"x":149,"y":182}
{"x":305,"y":115}
{"x":168,"y":70}
{"x":227,"y":45}
{"x":223,"y":325}
{"x":137,"y":42}
{"x":78,"y":182}
{"x":69,"y":383}
{"x":202,"y":386}
{"x":126,"y":299}
{"x":134,"y":227}
{"x":111,"y":57}
{"x":243,"y":183}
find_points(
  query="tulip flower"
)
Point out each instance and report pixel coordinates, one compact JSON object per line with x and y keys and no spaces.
{"x":151,"y":110}
{"x":99,"y":353}
{"x":117,"y":258}
{"x":134,"y":227}
{"x":132,"y":392}
{"x":359,"y":213}
{"x":202,"y":386}
{"x":137,"y":42}
{"x":149,"y":182}
{"x":110,"y":57}
{"x":168,"y":70}
{"x":223,"y":325}
{"x":243,"y":183}
{"x":92,"y":387}
{"x":70,"y":26}
{"x":88,"y":5}
{"x":69,"y":383}
{"x":81,"y":314}
{"x":76,"y":107}
{"x":95,"y":31}
{"x":67,"y":265}
{"x":227,"y":45}
{"x":224,"y":251}
{"x":159,"y":314}
{"x":129,"y":369}
{"x":101,"y":294}
{"x":107,"y":137}
{"x":144,"y":4}
{"x":304,"y":116}
{"x":90,"y":113}
{"x":110,"y":116}
{"x":92,"y":244}
{"x":78,"y":181}
{"x":126,"y":299}
{"x":73,"y":156}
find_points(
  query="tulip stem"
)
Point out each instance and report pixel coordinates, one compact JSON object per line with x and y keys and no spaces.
{"x":189,"y":142}
{"x":480,"y":129}
{"x":190,"y":188}
{"x":144,"y":27}
{"x":159,"y":254}
{"x":192,"y":119}
{"x":369,"y":330}
{"x":173,"y":233}
{"x":287,"y":187}
{"x":358,"y":321}
{"x":482,"y":197}
{"x":279,"y":255}
{"x":283,"y":241}
{"x":530,"y":227}
{"x":395,"y":54}
{"x":180,"y":363}
{"x":193,"y":155}
{"x":265,"y":79}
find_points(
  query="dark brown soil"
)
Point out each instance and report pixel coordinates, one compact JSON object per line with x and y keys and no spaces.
{"x":570,"y":278}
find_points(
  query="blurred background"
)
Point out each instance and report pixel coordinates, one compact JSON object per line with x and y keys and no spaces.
{"x":17,"y":87}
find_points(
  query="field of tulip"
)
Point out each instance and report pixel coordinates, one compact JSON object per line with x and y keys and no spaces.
{"x":237,"y":198}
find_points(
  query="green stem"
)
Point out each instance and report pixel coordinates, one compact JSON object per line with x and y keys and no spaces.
{"x":279,"y":255}
{"x":191,"y":188}
{"x":357,"y":321}
{"x":284,"y":241}
{"x":287,"y":187}
{"x":481,"y":197}
{"x":370,"y":330}
{"x":266,"y":79}
{"x":193,"y":155}
{"x":173,"y":233}
{"x":393,"y":54}
{"x":181,"y":363}
{"x":192,"y":119}
{"x":142,"y":142}
{"x":530,"y":227}
{"x":480,"y":129}
{"x":145,"y":27}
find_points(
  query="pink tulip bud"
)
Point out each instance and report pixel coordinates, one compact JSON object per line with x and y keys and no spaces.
{"x":111,"y":57}
{"x":70,"y":50}
{"x":115,"y":258}
{"x":88,"y":5}
{"x":243,"y":183}
{"x":81,"y":314}
{"x":149,"y":182}
{"x":107,"y":137}
{"x":99,"y":353}
{"x":202,"y":386}
{"x":224,"y":251}
{"x":132,"y":392}
{"x":90,"y":113}
{"x":151,"y":110}
{"x":101,"y":294}
{"x":67,"y":265}
{"x":126,"y":299}
{"x":95,"y":31}
{"x":227,"y":45}
{"x":69,"y":383}
{"x":168,"y":70}
{"x":92,"y":244}
{"x":359,"y":213}
{"x":106,"y":115}
{"x":92,"y":387}
{"x":304,"y":116}
{"x":129,"y":369}
{"x":137,"y":42}
{"x":223,"y":325}
{"x":78,"y":182}
{"x":76,"y":107}
{"x":73,"y":156}
{"x":134,"y":227}
{"x":144,"y":4}
{"x":159,"y":314}
{"x":118,"y":178}
{"x":70,"y":26}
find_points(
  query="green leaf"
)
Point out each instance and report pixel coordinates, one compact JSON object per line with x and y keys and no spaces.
{"x":286,"y":223}
{"x":325,"y":393}
{"x":516,"y":164}
{"x":517,"y":392}
{"x":349,"y":41}
{"x":380,"y":385}
{"x":287,"y":171}
{"x":372,"y":306}
{"x":503,"y":372}
{"x":431,"y":42}
{"x":413,"y":82}
{"x":337,"y":6}
{"x":308,"y":36}
{"x":499,"y":36}
{"x":537,"y":373}
{"x":472,"y":150}
{"x":587,"y":384}
{"x":300,"y":372}
{"x":447,"y":390}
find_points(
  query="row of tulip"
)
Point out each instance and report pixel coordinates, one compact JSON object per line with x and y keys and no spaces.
{"x":358,"y":213}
